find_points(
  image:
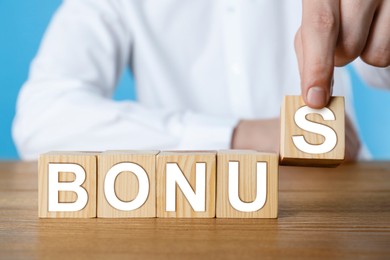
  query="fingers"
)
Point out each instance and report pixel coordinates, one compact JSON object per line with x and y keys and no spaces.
{"x":260,"y":135}
{"x":335,"y":32}
{"x":318,"y":33}
{"x":377,"y":49}
{"x":356,"y":17}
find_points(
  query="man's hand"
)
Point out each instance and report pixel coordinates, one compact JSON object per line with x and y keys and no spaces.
{"x":264,"y":135}
{"x":260,"y":135}
{"x":334,"y":33}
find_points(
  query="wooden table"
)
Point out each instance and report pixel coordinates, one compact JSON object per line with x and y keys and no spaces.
{"x":326,"y":213}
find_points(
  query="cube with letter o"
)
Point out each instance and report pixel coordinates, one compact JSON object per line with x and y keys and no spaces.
{"x":127,"y":184}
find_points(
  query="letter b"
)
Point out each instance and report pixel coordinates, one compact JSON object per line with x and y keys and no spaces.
{"x":67,"y":185}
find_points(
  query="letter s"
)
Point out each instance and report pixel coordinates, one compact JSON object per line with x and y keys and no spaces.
{"x":328,"y":133}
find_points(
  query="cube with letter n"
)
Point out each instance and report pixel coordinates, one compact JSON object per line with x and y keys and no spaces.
{"x":186,"y":184}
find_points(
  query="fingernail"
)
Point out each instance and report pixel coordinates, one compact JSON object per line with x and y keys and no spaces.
{"x":316,"y":96}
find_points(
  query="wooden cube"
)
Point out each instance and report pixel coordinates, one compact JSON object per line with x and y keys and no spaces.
{"x":186,"y":184}
{"x":127,"y":184}
{"x":247,"y":184}
{"x":312,"y":137}
{"x":67,"y":185}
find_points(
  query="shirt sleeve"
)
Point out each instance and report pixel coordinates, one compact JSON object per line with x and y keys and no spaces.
{"x":373,"y":76}
{"x":66,"y":104}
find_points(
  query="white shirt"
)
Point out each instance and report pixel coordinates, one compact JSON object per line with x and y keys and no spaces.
{"x":199,"y":65}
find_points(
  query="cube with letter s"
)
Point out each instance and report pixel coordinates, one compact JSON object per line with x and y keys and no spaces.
{"x":312,"y":137}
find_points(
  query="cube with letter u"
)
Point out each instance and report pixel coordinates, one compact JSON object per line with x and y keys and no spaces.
{"x":247,"y":184}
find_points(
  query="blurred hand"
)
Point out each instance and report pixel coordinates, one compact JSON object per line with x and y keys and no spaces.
{"x":260,"y":135}
{"x":334,"y":33}
{"x":264,"y":135}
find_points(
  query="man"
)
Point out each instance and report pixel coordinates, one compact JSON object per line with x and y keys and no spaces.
{"x":209,"y":74}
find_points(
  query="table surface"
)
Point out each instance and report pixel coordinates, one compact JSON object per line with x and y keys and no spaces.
{"x":323,"y":213}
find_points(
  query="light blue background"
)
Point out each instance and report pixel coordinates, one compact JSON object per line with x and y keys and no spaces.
{"x":22,"y":24}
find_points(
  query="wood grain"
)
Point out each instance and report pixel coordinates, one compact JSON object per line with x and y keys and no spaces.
{"x":247,"y":183}
{"x":88,"y":162}
{"x":126,"y":184}
{"x":341,"y":212}
{"x":186,"y":160}
{"x":290,"y":154}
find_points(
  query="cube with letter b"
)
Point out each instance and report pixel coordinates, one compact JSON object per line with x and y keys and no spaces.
{"x":312,"y":137}
{"x":67,"y":185}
